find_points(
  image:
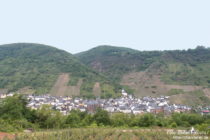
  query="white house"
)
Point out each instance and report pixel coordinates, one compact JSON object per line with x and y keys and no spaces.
{"x":124,"y":93}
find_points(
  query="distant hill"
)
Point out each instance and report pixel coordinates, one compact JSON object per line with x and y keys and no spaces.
{"x":189,"y":67}
{"x":154,"y":73}
{"x":116,"y":61}
{"x":103,"y":71}
{"x":44,"y":69}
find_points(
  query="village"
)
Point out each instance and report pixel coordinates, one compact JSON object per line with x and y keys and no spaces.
{"x":125,"y":104}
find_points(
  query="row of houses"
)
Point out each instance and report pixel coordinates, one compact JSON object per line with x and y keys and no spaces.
{"x":126,"y":104}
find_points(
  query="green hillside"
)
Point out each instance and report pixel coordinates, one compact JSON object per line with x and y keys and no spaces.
{"x":186,"y":67}
{"x":191,"y":67}
{"x":101,"y":70}
{"x":116,"y":61}
{"x":155,"y":73}
{"x":38,"y":66}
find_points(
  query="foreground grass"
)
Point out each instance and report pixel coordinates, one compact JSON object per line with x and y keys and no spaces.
{"x":98,"y":134}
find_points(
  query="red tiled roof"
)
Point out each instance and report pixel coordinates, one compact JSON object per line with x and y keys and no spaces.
{"x":205,"y":111}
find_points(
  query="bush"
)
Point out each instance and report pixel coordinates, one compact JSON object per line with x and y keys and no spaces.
{"x":204,"y":128}
{"x":146,"y":120}
{"x":173,"y":125}
{"x":102,"y":117}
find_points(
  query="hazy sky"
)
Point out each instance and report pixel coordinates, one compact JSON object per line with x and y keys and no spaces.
{"x":78,"y":25}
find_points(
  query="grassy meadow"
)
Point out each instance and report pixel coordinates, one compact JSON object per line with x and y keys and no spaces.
{"x":97,"y":134}
{"x":108,"y":134}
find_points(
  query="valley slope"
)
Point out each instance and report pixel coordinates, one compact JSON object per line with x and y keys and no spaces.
{"x":183,"y":75}
{"x":37,"y":68}
{"x":104,"y":70}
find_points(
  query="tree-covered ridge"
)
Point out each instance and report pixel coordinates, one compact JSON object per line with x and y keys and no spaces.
{"x":38,"y":66}
{"x":187,"y":67}
{"x":190,"y":67}
{"x":116,"y":61}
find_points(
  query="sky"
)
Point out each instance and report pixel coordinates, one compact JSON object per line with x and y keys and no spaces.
{"x":79,"y":25}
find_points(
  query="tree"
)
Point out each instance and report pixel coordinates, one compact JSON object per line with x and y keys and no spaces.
{"x":101,"y":117}
{"x":120,"y":119}
{"x":14,"y":108}
{"x":14,"y":114}
{"x":48,"y":118}
{"x":184,"y":119}
{"x":73,"y":119}
{"x":87,"y":121}
{"x":147,"y":120}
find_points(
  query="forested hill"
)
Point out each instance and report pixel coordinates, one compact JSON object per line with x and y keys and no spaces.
{"x":184,"y":74}
{"x":116,"y":61}
{"x":37,"y":67}
{"x":190,"y":66}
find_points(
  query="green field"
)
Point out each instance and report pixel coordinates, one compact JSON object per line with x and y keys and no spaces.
{"x":106,"y":134}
